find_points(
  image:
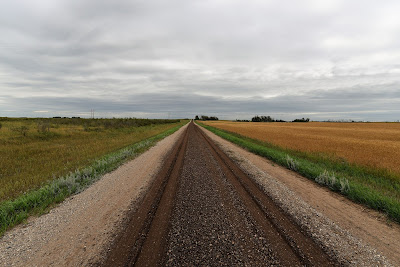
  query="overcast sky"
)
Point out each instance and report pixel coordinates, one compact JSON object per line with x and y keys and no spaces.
{"x":322,"y":59}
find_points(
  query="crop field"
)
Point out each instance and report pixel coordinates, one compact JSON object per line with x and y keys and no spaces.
{"x":34,"y":151}
{"x":375,"y":145}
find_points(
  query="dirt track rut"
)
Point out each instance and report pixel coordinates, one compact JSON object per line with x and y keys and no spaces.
{"x":203,"y":210}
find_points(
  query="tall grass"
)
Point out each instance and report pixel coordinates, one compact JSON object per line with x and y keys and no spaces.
{"x":377,"y":189}
{"x":37,"y":201}
{"x":54,"y":147}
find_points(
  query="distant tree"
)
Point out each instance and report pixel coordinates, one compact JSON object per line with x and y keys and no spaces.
{"x":302,"y":120}
{"x":267,"y":119}
{"x":197,"y":117}
{"x":262,"y":119}
{"x":207,"y":118}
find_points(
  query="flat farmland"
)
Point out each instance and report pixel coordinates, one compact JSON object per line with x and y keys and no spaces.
{"x":375,"y":145}
{"x":195,"y":202}
{"x":35,"y":151}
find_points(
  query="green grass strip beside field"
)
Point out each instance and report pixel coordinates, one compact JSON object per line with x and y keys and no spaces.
{"x":36,"y":202}
{"x":377,"y":189}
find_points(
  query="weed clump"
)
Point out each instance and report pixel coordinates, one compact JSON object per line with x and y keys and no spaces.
{"x":326,"y":178}
{"x":344,"y":186}
{"x":329,"y":179}
{"x":291,"y":163}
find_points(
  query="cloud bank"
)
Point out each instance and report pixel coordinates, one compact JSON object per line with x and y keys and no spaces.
{"x":233,"y":59}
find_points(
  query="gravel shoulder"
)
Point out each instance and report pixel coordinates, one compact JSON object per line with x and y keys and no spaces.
{"x":77,"y":232}
{"x":350,"y":233}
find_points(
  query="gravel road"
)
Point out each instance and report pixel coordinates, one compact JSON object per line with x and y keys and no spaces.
{"x":215,"y":222}
{"x":204,"y":210}
{"x":193,"y":199}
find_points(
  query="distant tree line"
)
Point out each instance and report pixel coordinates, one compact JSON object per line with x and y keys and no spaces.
{"x":342,"y":120}
{"x":66,"y":117}
{"x":270,"y":119}
{"x":265,"y":119}
{"x":206,"y":118}
{"x":302,"y":120}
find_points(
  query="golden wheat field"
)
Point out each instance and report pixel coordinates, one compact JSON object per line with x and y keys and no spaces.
{"x":374,"y":145}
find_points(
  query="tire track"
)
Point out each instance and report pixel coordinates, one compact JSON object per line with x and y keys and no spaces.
{"x":141,"y":242}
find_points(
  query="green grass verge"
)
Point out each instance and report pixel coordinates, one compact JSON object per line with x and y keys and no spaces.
{"x":36,"y":202}
{"x":377,"y":189}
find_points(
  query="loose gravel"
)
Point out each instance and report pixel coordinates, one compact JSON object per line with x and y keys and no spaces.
{"x":210,"y":225}
{"x":337,"y":242}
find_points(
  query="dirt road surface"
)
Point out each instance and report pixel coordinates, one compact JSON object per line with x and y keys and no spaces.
{"x":195,"y":199}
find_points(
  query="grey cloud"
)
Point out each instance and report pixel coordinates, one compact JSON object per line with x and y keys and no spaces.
{"x":318,"y":105}
{"x":230,"y":58}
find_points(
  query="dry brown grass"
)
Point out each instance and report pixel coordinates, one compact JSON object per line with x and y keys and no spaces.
{"x":26,"y":162}
{"x":375,"y":145}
